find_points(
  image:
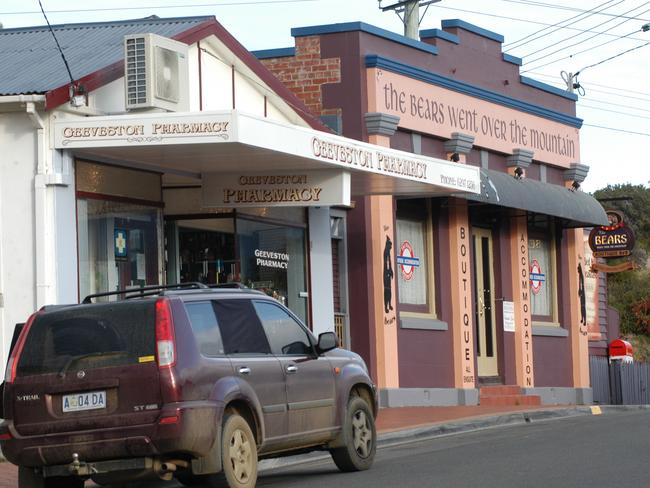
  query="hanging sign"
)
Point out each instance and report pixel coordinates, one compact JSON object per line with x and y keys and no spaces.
{"x":276,"y":189}
{"x":407,"y":260}
{"x":613,"y":240}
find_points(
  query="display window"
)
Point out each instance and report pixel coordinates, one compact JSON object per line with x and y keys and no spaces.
{"x":414,"y":256}
{"x":543,"y":272}
{"x":118,"y":237}
{"x":273,"y":259}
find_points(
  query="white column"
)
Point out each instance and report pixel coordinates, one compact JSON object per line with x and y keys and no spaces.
{"x":320,"y":262}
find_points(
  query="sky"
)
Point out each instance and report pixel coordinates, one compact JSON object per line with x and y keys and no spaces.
{"x":551,"y":36}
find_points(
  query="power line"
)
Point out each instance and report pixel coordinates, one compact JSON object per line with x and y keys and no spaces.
{"x":557,"y":7}
{"x":518,"y":41}
{"x":527,"y":21}
{"x":582,"y":105}
{"x":543,"y":75}
{"x":65,"y":61}
{"x":613,"y":57}
{"x":578,"y":35}
{"x":579,"y":52}
{"x":159,"y":7}
{"x":618,"y":130}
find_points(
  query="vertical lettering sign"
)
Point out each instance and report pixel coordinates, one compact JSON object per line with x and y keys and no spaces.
{"x":526,"y":330}
{"x":465,"y":307}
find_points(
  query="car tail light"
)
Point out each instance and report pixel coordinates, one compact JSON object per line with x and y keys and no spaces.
{"x":12,"y":363}
{"x":165,"y":341}
{"x":5,"y":436}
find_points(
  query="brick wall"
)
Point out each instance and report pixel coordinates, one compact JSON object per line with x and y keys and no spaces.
{"x":306,"y":72}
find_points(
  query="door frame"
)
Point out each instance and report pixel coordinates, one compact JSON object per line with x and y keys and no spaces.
{"x":486,"y":366}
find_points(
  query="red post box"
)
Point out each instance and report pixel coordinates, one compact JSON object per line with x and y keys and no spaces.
{"x":621,"y":350}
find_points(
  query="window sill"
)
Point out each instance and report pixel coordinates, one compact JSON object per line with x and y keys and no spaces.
{"x":421,"y":323}
{"x":549,"y":331}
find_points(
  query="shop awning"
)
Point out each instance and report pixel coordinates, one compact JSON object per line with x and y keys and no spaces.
{"x":574,"y":208}
{"x":193,"y":144}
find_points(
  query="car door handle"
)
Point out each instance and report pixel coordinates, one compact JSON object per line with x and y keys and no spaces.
{"x":292,"y":369}
{"x":244,"y":370}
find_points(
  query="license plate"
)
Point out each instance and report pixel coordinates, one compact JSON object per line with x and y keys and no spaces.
{"x":89,"y":400}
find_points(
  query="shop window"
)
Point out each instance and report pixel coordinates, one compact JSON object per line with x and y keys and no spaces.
{"x":414,"y":256}
{"x":543,"y":272}
{"x":118,"y":245}
{"x":119,"y":228}
{"x":273,"y":259}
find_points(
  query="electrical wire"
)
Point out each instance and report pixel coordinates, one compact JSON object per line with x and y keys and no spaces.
{"x":618,"y":130}
{"x":627,"y":114}
{"x":583,"y":51}
{"x":518,"y":41}
{"x":65,"y":61}
{"x":526,"y":21}
{"x":543,"y":75}
{"x":556,"y":6}
{"x":613,"y":57}
{"x":159,"y":7}
{"x":578,"y":35}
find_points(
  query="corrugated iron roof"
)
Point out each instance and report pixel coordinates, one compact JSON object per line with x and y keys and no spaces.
{"x":31,"y":62}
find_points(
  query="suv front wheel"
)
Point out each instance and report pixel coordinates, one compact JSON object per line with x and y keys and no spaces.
{"x":359,"y":436}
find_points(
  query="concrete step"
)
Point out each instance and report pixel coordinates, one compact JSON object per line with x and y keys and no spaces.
{"x":499,"y":390}
{"x":510,"y":400}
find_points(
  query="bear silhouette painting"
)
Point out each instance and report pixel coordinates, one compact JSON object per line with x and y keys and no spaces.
{"x":581,"y":294}
{"x":388,"y":276}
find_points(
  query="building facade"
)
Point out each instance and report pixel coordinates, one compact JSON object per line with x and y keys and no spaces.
{"x":465,"y":290}
{"x":174,"y":156}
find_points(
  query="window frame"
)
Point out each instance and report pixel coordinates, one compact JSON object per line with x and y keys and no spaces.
{"x":429,"y":310}
{"x":310,"y":338}
{"x":546,"y":233}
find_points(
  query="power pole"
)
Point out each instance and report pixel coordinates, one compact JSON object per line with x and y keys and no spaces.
{"x":409,"y":12}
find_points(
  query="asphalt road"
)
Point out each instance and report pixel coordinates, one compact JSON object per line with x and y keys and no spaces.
{"x":589,"y":451}
{"x":608,"y":451}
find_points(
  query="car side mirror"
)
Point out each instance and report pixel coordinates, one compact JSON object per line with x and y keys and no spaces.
{"x":326,"y":342}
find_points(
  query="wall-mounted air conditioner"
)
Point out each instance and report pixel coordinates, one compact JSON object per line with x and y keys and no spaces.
{"x":155,"y":73}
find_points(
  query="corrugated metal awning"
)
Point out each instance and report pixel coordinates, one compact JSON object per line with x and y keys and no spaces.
{"x":574,"y":208}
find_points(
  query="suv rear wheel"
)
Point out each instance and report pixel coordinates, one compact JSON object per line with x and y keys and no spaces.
{"x":359,"y":436}
{"x":238,"y":454}
{"x":29,"y":478}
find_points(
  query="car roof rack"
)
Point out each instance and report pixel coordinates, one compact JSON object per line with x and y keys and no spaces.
{"x":232,"y":284}
{"x":145,"y":290}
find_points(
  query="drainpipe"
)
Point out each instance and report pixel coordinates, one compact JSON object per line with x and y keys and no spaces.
{"x":42,"y":234}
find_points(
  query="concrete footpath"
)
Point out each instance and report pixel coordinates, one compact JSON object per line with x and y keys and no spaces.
{"x":408,"y":424}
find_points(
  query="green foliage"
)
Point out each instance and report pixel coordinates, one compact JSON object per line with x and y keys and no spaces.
{"x":629,"y":291}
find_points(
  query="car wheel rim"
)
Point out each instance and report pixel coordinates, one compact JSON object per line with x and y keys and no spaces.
{"x":362,"y":433}
{"x":241,"y":456}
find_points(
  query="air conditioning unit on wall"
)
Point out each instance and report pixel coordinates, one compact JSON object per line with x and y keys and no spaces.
{"x":155,"y":73}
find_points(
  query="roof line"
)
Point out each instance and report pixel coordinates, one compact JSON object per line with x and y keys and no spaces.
{"x":109,"y":23}
{"x":60,"y":95}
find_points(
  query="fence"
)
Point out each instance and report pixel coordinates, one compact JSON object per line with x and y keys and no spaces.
{"x":619,"y":383}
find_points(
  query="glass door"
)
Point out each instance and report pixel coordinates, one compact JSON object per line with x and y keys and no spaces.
{"x":484,"y":302}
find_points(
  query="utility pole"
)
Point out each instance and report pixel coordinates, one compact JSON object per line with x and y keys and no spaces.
{"x":409,"y":12}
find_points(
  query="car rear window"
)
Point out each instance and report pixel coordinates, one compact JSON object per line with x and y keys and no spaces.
{"x":90,"y":336}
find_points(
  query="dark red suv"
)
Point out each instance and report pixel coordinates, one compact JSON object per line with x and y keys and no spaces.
{"x":193,"y":383}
